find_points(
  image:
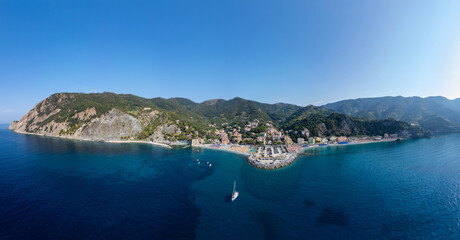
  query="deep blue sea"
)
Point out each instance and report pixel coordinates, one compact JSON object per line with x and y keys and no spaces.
{"x":64,"y":189}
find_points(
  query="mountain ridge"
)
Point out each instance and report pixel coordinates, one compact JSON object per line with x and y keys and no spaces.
{"x":437,"y":114}
{"x":78,"y":115}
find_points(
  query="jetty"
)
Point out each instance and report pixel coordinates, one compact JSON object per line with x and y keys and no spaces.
{"x":307,"y":154}
{"x":271,"y":157}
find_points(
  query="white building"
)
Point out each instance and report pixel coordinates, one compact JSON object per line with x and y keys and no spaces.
{"x":300,"y":141}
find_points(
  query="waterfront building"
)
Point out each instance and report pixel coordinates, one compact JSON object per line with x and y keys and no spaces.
{"x":342,"y":139}
{"x":288,"y":140}
{"x":306,"y":132}
{"x":239,"y":137}
{"x":300,"y":141}
{"x":224,"y":138}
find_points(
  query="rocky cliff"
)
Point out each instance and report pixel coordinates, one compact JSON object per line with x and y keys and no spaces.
{"x":65,"y":115}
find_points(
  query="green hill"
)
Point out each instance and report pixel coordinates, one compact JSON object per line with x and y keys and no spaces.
{"x":125,"y":116}
{"x":235,"y":111}
{"x":321,"y":122}
{"x":437,"y":114}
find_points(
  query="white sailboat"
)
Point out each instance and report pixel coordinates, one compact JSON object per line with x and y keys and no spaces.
{"x":234,"y":193}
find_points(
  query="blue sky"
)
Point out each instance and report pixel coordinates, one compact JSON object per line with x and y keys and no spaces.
{"x":301,"y":52}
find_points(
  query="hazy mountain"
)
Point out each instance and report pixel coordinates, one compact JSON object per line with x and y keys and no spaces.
{"x":437,"y":114}
{"x":322,"y":122}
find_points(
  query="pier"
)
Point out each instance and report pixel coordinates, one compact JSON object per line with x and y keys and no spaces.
{"x":270,"y":163}
{"x":269,"y":157}
{"x":307,"y":154}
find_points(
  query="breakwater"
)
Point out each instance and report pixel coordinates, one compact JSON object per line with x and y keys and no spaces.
{"x":271,"y":163}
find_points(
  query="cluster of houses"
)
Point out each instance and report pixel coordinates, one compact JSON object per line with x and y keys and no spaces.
{"x":271,"y":135}
{"x":342,"y":139}
{"x":320,"y":140}
{"x":278,"y":149}
{"x":251,"y":125}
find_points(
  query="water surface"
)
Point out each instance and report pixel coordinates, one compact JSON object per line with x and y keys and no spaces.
{"x":55,"y":188}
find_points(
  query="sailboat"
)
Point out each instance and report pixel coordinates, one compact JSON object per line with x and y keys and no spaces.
{"x":234,"y":193}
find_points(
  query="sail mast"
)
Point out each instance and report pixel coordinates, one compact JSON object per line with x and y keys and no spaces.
{"x":234,"y":187}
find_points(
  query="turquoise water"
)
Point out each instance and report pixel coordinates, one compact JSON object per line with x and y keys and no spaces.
{"x":54,"y":188}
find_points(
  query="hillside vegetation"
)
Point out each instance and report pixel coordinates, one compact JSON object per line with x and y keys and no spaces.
{"x":79,"y":115}
{"x":321,"y":122}
{"x":436,"y":114}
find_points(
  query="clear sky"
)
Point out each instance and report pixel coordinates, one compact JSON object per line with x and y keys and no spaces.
{"x":301,"y":52}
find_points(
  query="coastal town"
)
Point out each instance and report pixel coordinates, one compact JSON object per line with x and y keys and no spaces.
{"x":268,"y":141}
{"x":267,"y":147}
{"x":270,"y":135}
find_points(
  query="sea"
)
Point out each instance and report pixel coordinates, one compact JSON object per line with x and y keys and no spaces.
{"x":53,"y":188}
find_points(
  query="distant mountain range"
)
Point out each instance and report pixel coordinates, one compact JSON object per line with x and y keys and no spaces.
{"x":110,"y":116}
{"x":436,"y":114}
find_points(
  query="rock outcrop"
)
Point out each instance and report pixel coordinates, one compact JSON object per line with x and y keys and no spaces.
{"x":62,"y":115}
{"x":45,"y":119}
{"x":158,"y":135}
{"x":32,"y":122}
{"x":113,"y":125}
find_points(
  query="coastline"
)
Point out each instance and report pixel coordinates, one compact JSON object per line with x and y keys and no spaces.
{"x":223,"y":149}
{"x":137,"y":141}
{"x":93,"y":140}
{"x":247,"y":154}
{"x":144,"y":142}
{"x":351,"y":143}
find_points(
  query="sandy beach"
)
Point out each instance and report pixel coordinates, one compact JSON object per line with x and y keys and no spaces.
{"x":349,"y":143}
{"x":223,"y":149}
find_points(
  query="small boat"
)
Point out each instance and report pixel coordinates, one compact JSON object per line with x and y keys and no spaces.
{"x":234,"y":193}
{"x":210,"y":165}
